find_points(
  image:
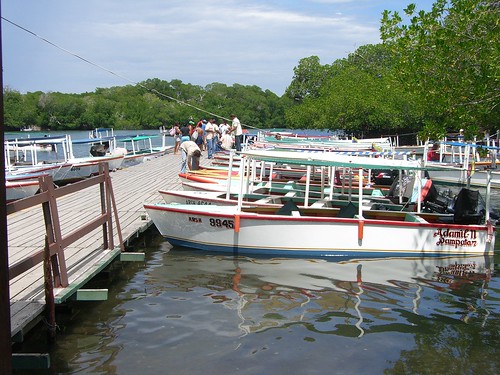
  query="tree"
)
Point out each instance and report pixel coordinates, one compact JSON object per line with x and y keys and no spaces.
{"x":308,"y":77}
{"x":449,"y":57}
{"x":147,"y":105}
{"x":360,"y":95}
{"x":13,"y":102}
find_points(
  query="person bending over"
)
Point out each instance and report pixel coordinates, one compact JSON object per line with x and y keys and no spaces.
{"x":190,"y":156}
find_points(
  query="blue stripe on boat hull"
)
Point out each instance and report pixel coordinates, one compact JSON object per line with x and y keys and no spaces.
{"x":237,"y":250}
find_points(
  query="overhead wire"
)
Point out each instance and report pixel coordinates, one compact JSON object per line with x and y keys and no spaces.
{"x":116,"y":74}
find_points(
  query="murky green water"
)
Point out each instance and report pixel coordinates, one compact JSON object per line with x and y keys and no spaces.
{"x":187,"y":312}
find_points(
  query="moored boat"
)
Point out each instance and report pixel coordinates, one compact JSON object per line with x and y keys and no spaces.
{"x":66,"y":170}
{"x":20,"y":187}
{"x":312,"y":231}
{"x":459,"y":165}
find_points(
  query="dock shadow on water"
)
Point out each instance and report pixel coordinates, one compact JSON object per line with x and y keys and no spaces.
{"x":189,"y":312}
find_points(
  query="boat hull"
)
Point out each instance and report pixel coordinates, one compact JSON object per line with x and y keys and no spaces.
{"x":15,"y":190}
{"x":222,"y":228}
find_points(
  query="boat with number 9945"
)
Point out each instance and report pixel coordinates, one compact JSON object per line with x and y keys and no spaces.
{"x":314,"y":231}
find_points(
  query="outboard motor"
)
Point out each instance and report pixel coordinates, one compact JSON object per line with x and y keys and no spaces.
{"x":98,"y":150}
{"x":469,"y":207}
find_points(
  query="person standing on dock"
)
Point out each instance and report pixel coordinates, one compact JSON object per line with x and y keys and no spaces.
{"x":190,"y":156}
{"x":238,"y":132}
{"x":211,"y":136}
{"x":223,"y":128}
{"x":185,"y":133}
{"x":177,"y":137}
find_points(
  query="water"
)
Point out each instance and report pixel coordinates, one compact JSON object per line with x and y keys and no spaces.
{"x":189,"y":312}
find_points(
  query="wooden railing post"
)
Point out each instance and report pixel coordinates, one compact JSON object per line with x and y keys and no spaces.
{"x":50,"y":308}
{"x":109,"y":208}
{"x":53,"y":230}
{"x":112,"y":207}
{"x":102,"y":190}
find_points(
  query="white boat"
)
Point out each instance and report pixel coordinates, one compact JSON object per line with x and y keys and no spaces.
{"x":65,"y":170}
{"x":462,"y":167}
{"x":135,"y":148}
{"x":21,"y":187}
{"x":458,"y":176}
{"x":69,"y":170}
{"x":27,"y":149}
{"x":287,"y":141}
{"x":319,"y":232}
{"x":276,"y":194}
{"x":139,"y":148}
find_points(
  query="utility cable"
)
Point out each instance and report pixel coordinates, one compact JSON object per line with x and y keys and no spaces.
{"x":116,"y":74}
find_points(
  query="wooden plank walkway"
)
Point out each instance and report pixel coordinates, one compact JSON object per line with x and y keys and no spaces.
{"x":132,"y":187}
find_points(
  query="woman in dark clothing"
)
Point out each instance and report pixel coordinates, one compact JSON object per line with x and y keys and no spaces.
{"x":185,"y":133}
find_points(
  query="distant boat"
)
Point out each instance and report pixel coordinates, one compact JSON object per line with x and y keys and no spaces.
{"x":139,"y":148}
{"x":459,"y":167}
{"x":325,"y":143}
{"x":66,"y":170}
{"x":134,"y":148}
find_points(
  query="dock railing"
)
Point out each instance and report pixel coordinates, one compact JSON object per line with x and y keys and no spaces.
{"x":55,"y":242}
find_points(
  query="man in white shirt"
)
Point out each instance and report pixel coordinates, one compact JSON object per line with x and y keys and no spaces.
{"x":210,"y":131}
{"x":237,"y":131}
{"x":223,"y":128}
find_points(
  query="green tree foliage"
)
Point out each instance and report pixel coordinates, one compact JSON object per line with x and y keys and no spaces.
{"x":308,"y":77}
{"x":147,"y":105}
{"x":14,"y":101}
{"x":359,"y":95}
{"x":449,"y":57}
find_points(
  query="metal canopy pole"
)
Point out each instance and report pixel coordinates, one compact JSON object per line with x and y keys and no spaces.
{"x":308,"y":183}
{"x":229,"y":174}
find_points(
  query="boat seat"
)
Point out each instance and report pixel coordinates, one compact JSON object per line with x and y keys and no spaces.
{"x":348,"y":211}
{"x":264,"y":200}
{"x":289,"y":209}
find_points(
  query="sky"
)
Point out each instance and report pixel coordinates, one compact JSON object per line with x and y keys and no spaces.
{"x":247,"y":42}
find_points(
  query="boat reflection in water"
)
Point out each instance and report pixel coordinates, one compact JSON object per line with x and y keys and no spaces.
{"x":347,"y":297}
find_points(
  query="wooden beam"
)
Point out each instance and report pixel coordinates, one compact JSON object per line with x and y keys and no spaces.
{"x":91,"y":295}
{"x":132,"y":257}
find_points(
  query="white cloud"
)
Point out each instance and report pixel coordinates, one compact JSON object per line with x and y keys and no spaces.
{"x":199,"y":42}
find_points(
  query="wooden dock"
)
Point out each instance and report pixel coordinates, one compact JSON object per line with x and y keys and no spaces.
{"x":84,"y":258}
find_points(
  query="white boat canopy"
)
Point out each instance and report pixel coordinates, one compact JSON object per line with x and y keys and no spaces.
{"x":330,"y":159}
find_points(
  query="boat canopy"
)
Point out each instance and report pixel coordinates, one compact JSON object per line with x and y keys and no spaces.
{"x":36,"y":140}
{"x":92,"y":140}
{"x":463,"y":144}
{"x":330,"y":159}
{"x":136,"y":138}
